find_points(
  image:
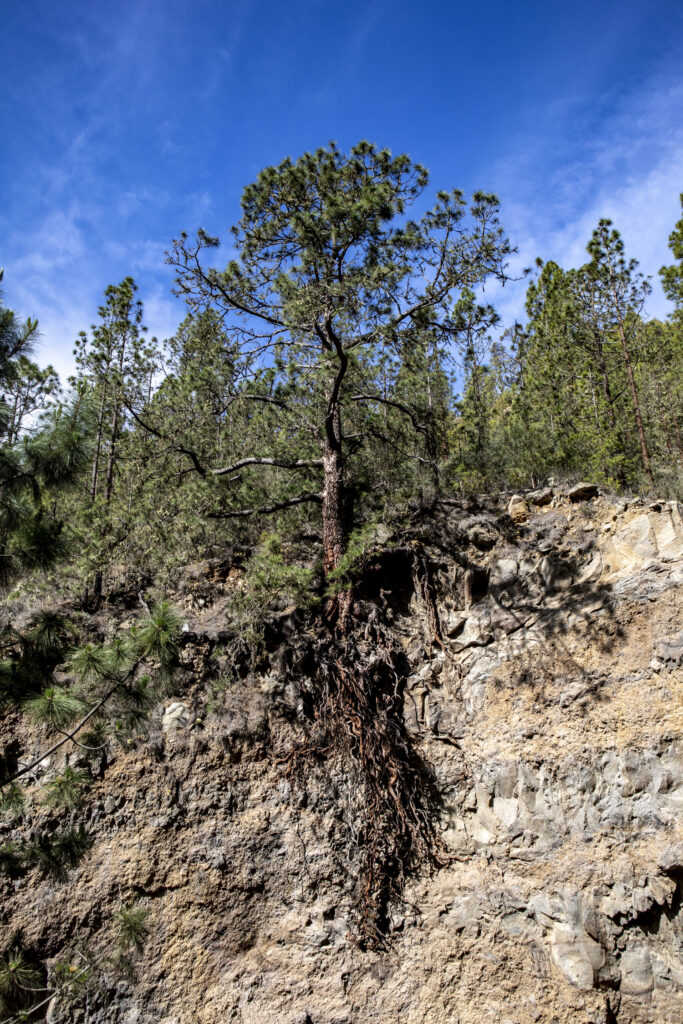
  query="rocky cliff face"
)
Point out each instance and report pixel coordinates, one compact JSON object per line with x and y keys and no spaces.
{"x":552,"y":720}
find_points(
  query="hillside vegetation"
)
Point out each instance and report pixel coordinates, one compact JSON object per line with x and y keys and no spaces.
{"x":336,"y":406}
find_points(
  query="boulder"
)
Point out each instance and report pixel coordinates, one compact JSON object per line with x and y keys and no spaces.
{"x":582,"y":491}
{"x":482,"y":535}
{"x":554,"y":573}
{"x":636,"y":973}
{"x":548,"y":530}
{"x":631,"y":545}
{"x":541,"y":496}
{"x":646,"y":540}
{"x":669,"y":650}
{"x":671,"y":858}
{"x":518,"y":510}
{"x":667,"y":526}
{"x":576,"y":954}
{"x":176,"y":716}
{"x":504,"y":572}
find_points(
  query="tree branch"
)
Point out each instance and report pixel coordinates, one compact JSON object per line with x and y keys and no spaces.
{"x":257,"y":460}
{"x":164,"y":437}
{"x":67,"y":736}
{"x":269,"y":401}
{"x":396,"y":405}
{"x":264,"y":510}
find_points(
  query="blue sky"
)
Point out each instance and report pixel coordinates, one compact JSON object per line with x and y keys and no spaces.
{"x":125,"y":123}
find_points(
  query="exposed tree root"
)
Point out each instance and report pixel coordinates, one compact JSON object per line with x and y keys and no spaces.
{"x":360,"y":674}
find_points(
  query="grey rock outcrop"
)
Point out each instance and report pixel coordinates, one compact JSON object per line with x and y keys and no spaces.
{"x":582,"y":491}
{"x":176,"y":716}
{"x":557,"y":752}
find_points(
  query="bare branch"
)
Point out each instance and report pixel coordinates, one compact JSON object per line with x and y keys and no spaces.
{"x":270,"y":401}
{"x":264,"y":510}
{"x":192,"y":455}
{"x":396,"y":405}
{"x":257,"y":460}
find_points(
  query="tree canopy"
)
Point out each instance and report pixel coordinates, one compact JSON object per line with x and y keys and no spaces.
{"x":332,"y":292}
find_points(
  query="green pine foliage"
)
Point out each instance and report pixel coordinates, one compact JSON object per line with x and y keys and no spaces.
{"x":133,"y":928}
{"x":156,"y":638}
{"x":12,"y":801}
{"x":12,"y":859}
{"x":90,"y":662}
{"x":55,"y":707}
{"x":35,"y":460}
{"x":53,"y":854}
{"x":341,"y":372}
{"x":68,"y":789}
{"x":19,"y":980}
{"x":672,"y":275}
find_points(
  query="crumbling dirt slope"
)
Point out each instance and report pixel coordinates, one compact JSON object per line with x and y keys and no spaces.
{"x":548,"y":709}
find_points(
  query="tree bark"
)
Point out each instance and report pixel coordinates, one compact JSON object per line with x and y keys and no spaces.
{"x":338,"y":606}
{"x":94,"y":483}
{"x":94,"y":478}
{"x":609,"y":401}
{"x":597,"y":422}
{"x":333,"y":510}
{"x":108,"y":489}
{"x":604,"y":377}
{"x":111,"y":460}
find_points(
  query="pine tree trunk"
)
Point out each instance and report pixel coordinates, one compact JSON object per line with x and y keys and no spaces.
{"x":609,"y":403}
{"x":95,"y":476}
{"x":606,"y":389}
{"x":669,"y":423}
{"x":631,"y":379}
{"x":333,"y":510}
{"x":334,"y":527}
{"x":597,"y":423}
{"x":12,"y":433}
{"x":94,"y":483}
{"x":431,"y":436}
{"x":111,"y":461}
{"x":108,"y":489}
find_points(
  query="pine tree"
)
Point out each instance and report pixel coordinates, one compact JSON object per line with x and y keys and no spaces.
{"x":329,"y":276}
{"x":623,"y":292}
{"x":114,"y":364}
{"x":33,"y":461}
{"x":672,"y":275}
{"x":567,"y":385}
{"x":672,"y":282}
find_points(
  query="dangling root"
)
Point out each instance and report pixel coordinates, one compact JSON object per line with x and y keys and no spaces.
{"x":360,"y":681}
{"x":361,"y":712}
{"x":424,"y":585}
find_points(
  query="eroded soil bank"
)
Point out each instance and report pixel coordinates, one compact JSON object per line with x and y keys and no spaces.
{"x":549,"y":714}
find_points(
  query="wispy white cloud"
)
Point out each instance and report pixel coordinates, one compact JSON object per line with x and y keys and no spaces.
{"x":627,"y":166}
{"x":79,"y":235}
{"x":81,"y":226}
{"x":59,"y":272}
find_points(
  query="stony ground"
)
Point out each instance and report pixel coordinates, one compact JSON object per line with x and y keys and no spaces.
{"x":552,"y":718}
